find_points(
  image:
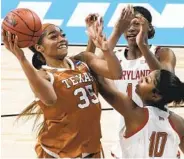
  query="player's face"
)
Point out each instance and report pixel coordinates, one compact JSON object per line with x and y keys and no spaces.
{"x":146,"y":86}
{"x":133,"y":29}
{"x":55,"y":43}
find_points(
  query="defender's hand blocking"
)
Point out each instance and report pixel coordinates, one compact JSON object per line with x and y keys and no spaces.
{"x":142,"y":36}
{"x":11,"y":43}
{"x":124,"y":20}
{"x":90,"y":19}
{"x":95,"y":33}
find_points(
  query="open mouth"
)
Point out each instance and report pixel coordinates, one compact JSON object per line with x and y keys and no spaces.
{"x":131,"y":36}
{"x":62,"y":46}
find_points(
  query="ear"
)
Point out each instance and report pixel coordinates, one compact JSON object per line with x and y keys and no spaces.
{"x":151,"y":31}
{"x":39,"y":48}
{"x":150,"y":27}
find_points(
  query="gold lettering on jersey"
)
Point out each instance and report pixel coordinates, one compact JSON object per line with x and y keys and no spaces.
{"x":77,"y":79}
{"x":134,"y":75}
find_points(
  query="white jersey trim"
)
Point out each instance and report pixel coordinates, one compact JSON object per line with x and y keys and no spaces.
{"x":57,"y":156}
{"x":61,"y":69}
{"x":50,"y":152}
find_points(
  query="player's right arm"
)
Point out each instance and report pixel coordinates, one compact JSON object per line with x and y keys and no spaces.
{"x":41,"y":87}
{"x":120,"y":26}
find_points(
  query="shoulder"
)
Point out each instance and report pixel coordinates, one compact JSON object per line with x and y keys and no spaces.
{"x":178,"y":123}
{"x":164,"y":52}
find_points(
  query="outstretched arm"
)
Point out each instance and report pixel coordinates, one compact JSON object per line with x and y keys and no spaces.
{"x":120,"y":26}
{"x":90,"y":20}
{"x":166,"y":58}
{"x":121,"y":102}
{"x":42,"y":88}
{"x":109,"y":66}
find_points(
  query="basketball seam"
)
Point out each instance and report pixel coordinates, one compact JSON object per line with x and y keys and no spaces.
{"x":25,"y":40}
{"x":18,"y":31}
{"x":23,"y":21}
{"x":34,"y":27}
{"x":34,"y":21}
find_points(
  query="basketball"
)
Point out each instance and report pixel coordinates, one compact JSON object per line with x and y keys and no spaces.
{"x":25,"y":24}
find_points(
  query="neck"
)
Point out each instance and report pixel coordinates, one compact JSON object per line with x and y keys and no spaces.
{"x":134,"y":52}
{"x":160,"y":106}
{"x":58,"y":63}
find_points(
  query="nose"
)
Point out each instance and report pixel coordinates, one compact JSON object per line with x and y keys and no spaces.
{"x":131,"y":29}
{"x":61,"y":38}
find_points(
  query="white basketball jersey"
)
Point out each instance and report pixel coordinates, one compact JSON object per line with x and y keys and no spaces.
{"x":157,"y":139}
{"x":133,"y":70}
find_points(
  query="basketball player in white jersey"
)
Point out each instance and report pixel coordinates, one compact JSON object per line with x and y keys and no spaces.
{"x":138,"y":58}
{"x":151,"y":131}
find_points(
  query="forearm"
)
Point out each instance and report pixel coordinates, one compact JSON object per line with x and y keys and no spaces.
{"x":153,"y":62}
{"x":91,"y":46}
{"x":114,"y":38}
{"x":113,"y":64}
{"x":40,"y":86}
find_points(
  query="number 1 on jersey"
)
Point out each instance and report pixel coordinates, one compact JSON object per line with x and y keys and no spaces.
{"x":129,"y":90}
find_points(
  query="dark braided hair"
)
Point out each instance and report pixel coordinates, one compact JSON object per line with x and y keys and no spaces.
{"x":169,"y":86}
{"x":38,"y":59}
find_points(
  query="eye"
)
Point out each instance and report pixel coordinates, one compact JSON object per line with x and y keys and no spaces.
{"x":53,"y":37}
{"x":63,"y":35}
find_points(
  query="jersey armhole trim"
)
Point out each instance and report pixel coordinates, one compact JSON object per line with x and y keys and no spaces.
{"x":174,"y":128}
{"x":51,"y":81}
{"x":141,"y":126}
{"x":86,"y":65}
